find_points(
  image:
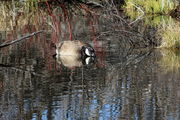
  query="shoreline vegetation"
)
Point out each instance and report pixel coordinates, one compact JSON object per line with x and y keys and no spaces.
{"x":154,"y":13}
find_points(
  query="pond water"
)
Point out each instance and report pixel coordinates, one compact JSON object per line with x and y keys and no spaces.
{"x":124,"y":83}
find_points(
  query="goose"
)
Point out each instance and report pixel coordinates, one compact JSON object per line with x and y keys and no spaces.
{"x":74,"y":53}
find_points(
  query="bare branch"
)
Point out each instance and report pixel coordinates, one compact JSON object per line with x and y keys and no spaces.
{"x":7,"y":43}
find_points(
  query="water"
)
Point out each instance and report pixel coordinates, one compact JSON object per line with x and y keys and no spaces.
{"x":125,"y":82}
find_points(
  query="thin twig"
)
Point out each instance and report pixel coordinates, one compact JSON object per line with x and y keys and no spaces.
{"x":129,"y":32}
{"x":139,"y":17}
{"x":95,"y":3}
{"x":7,"y":43}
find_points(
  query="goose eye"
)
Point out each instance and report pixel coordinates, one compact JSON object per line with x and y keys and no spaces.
{"x":87,"y":60}
{"x":87,"y":52}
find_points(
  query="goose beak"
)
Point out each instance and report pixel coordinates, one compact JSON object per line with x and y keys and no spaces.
{"x":54,"y":56}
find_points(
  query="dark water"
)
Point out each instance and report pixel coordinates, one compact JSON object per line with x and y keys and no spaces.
{"x":125,"y":83}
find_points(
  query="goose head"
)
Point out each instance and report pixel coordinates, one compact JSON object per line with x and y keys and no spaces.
{"x":87,"y":54}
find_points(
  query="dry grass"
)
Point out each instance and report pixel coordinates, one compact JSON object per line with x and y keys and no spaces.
{"x":14,"y":13}
{"x":150,"y":6}
{"x":170,"y":34}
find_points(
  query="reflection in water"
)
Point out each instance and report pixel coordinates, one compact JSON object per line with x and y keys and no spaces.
{"x":170,"y":60}
{"x":128,"y":87}
{"x":124,"y":83}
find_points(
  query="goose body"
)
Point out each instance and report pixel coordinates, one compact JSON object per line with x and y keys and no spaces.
{"x":74,"y":53}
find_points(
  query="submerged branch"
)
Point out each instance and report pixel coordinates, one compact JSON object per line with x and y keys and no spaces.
{"x":7,"y":43}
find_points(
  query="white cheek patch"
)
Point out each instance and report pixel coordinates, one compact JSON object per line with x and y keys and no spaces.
{"x":87,"y":60}
{"x":87,"y":52}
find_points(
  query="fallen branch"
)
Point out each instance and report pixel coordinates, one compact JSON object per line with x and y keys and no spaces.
{"x":7,"y":43}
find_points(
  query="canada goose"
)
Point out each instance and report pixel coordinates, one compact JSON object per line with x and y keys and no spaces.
{"x":74,"y":53}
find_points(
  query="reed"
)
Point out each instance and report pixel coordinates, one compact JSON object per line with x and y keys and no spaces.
{"x":135,"y":7}
{"x":170,"y":35}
